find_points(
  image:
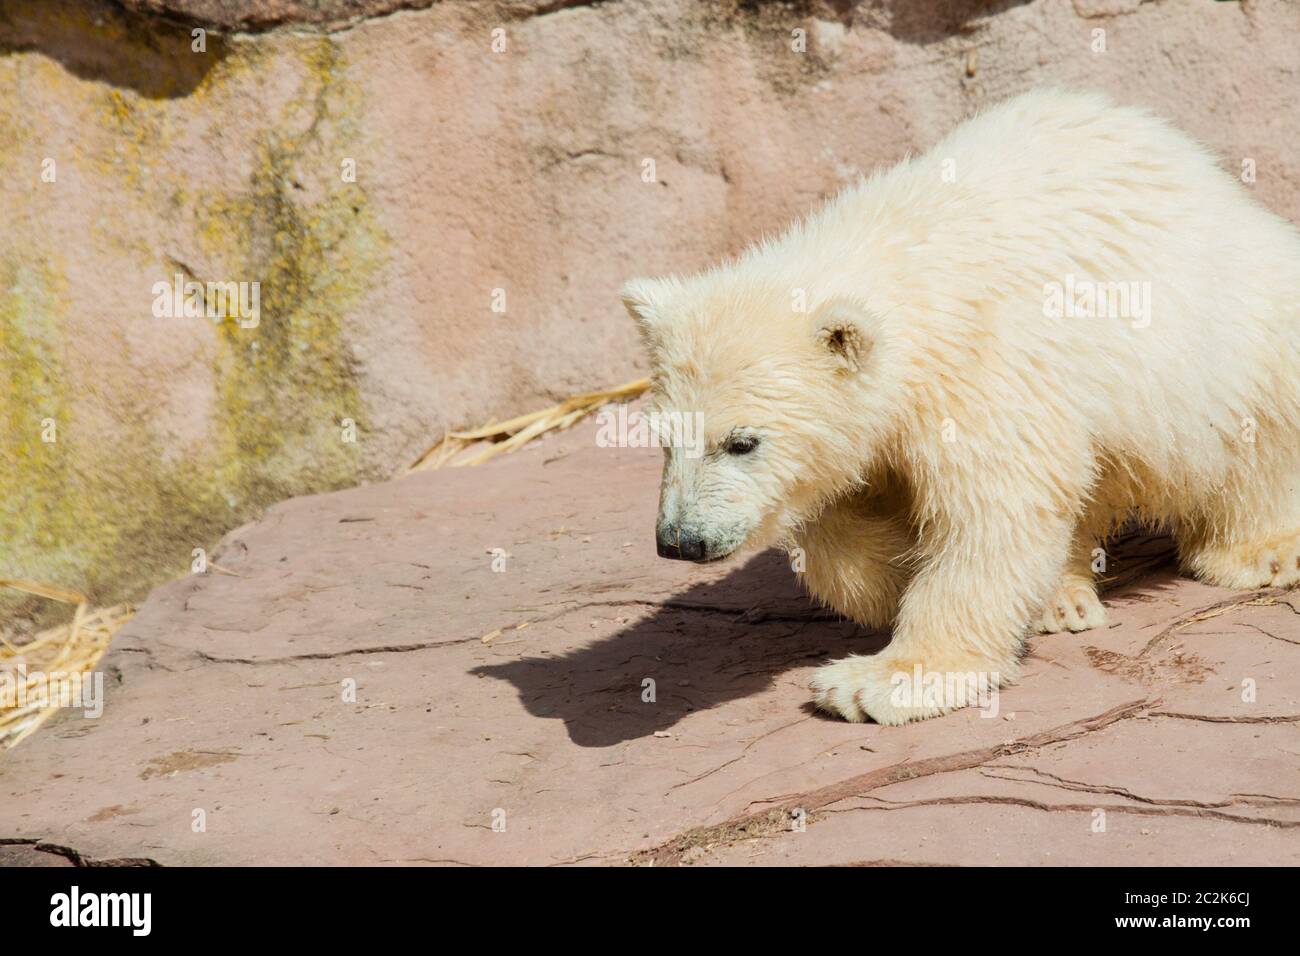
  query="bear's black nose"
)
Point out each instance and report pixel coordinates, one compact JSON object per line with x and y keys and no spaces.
{"x":679,"y":545}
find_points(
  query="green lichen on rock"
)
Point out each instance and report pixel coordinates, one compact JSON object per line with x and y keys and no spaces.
{"x":287,"y":387}
{"x":115,"y":505}
{"x":34,"y":464}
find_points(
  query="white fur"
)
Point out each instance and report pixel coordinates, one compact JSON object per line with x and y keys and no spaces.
{"x":928,"y":431}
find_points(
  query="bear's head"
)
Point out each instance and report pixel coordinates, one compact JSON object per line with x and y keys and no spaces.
{"x":787,"y":398}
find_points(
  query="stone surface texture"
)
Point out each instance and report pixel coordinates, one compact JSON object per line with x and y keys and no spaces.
{"x":352,"y":682}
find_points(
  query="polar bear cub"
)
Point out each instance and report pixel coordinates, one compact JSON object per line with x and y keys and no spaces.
{"x":949,"y":384}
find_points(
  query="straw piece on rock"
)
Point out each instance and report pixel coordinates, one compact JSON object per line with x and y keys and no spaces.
{"x":66,"y":649}
{"x":509,"y":435}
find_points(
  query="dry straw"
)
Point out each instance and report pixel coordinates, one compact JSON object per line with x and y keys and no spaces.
{"x":507,"y":436}
{"x":72,"y":648}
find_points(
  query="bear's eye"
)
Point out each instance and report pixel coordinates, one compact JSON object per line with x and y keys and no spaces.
{"x":740,"y":444}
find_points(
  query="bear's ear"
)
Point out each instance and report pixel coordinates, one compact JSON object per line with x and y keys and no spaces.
{"x":646,"y":301}
{"x":846,"y":330}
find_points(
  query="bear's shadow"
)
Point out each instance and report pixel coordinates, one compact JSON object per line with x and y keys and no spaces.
{"x":717,"y":642}
{"x":710,"y":644}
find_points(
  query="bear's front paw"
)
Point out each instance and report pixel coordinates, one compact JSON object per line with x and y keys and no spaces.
{"x":1271,"y":563}
{"x":1074,"y":607}
{"x":892,"y":691}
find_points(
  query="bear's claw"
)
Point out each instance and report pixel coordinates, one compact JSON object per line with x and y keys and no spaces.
{"x":1074,"y":607}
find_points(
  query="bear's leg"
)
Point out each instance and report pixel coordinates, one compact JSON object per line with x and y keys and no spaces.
{"x":1074,"y":605}
{"x":1247,"y":534}
{"x":1230,"y":561}
{"x":852,"y":558}
{"x":964,"y":614}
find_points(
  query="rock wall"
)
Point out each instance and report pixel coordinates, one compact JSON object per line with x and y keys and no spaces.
{"x":438,"y":201}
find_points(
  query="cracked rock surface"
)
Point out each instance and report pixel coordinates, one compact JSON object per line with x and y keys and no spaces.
{"x":352,"y":682}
